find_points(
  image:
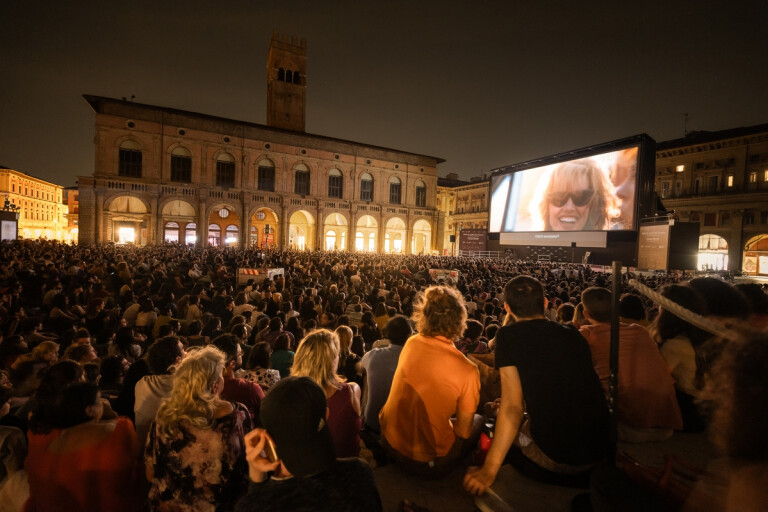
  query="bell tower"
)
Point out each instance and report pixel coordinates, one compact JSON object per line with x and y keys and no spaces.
{"x":287,"y":82}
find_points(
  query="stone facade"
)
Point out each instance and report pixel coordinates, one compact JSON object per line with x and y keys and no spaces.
{"x":167,"y":175}
{"x":42,"y":213}
{"x":463,"y":205}
{"x":720,"y":180}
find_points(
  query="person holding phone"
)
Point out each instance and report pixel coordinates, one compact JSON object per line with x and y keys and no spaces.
{"x":292,"y":463}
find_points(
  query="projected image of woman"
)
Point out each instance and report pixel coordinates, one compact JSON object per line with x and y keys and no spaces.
{"x":578,"y":197}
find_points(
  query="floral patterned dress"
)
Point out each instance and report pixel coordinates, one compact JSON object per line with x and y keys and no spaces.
{"x":264,"y":377}
{"x":200,"y":470}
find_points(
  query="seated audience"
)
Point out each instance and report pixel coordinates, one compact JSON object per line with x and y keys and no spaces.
{"x":428,"y":423}
{"x":318,"y":358}
{"x":195,"y":457}
{"x":305,"y":473}
{"x":646,"y":408}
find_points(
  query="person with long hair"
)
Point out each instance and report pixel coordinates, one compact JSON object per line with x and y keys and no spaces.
{"x":318,"y":358}
{"x":428,"y":423}
{"x":195,"y":458}
{"x":78,"y":459}
{"x":682,"y":346}
{"x":578,"y":197}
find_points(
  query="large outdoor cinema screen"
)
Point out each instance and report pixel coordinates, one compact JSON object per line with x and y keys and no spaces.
{"x":577,"y":196}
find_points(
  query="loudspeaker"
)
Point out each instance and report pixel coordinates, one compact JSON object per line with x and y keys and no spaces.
{"x":453,"y":238}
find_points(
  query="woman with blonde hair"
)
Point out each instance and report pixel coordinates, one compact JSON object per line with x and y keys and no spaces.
{"x":578,"y":197}
{"x":318,"y":358}
{"x":350,"y":365}
{"x":195,"y":456}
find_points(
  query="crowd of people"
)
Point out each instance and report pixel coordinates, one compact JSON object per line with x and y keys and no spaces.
{"x":156,"y":378}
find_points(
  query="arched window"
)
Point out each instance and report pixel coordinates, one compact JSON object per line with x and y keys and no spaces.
{"x":289,"y":76}
{"x":296,"y":78}
{"x":395,"y":190}
{"x":366,"y":187}
{"x":330,"y":241}
{"x":225,"y":170}
{"x":171,"y":232}
{"x":214,"y":235}
{"x":129,"y":159}
{"x":190,"y":233}
{"x":181,"y":165}
{"x":301,"y":180}
{"x":266,"y":175}
{"x":335,"y":184}
{"x":232,"y":235}
{"x":421,"y":194}
{"x":281,"y":74}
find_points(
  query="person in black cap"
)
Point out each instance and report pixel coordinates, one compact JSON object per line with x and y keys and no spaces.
{"x":304,"y":473}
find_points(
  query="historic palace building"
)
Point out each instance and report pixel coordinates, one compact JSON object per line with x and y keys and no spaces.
{"x":462,"y":205}
{"x":720,"y":180}
{"x":41,"y":212}
{"x":166,"y":175}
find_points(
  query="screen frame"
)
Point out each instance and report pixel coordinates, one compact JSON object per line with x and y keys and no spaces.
{"x":644,"y":190}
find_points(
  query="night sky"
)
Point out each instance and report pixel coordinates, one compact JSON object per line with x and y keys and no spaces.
{"x":480,"y":84}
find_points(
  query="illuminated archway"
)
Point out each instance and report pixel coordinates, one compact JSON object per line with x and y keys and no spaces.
{"x":421,"y":242}
{"x":335,"y":232}
{"x":301,"y":231}
{"x":127,"y":219}
{"x":755,"y":260}
{"x":713,"y":253}
{"x":264,"y":232}
{"x":394,"y":237}
{"x":182,"y":214}
{"x":366,"y":230}
{"x":223,"y":217}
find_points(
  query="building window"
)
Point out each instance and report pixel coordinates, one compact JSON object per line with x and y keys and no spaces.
{"x":753,"y":177}
{"x":725,"y":218}
{"x":395,"y":190}
{"x":710,"y":219}
{"x":181,"y":168}
{"x":335,"y":184}
{"x":665,"y":189}
{"x":729,"y":181}
{"x":764,"y":217}
{"x":129,"y":160}
{"x":749,"y":218}
{"x":712,"y":185}
{"x":695,"y":217}
{"x":266,"y":176}
{"x":680,"y":168}
{"x":225,"y":171}
{"x":421,"y":194}
{"x":697,"y":186}
{"x":765,"y":175}
{"x":678,"y":187}
{"x":366,"y":187}
{"x":301,"y":183}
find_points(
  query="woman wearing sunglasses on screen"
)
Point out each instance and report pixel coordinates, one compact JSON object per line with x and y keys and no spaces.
{"x":579,"y":197}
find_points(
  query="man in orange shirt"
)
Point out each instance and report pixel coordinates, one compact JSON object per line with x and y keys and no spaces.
{"x":428,"y":422}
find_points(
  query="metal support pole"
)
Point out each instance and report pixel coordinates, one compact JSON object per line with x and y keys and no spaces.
{"x":613,"y":378}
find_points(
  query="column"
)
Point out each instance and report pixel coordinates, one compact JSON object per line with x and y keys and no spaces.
{"x":98,"y":236}
{"x":202,"y":225}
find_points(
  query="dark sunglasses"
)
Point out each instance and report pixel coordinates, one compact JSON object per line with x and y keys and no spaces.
{"x":580,"y":198}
